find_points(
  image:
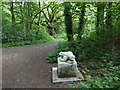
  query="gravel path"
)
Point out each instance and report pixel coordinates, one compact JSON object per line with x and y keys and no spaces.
{"x":26,"y":67}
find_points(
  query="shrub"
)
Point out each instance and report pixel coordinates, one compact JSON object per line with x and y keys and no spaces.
{"x":61,"y":36}
{"x":106,"y":78}
{"x":85,"y":49}
{"x":61,"y":46}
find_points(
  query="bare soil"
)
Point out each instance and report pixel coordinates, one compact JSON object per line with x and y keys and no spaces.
{"x":27,"y":67}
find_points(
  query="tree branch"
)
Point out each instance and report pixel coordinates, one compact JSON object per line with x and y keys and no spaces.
{"x":40,"y":12}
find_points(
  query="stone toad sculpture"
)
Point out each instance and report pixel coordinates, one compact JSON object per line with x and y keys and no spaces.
{"x":67,"y":66}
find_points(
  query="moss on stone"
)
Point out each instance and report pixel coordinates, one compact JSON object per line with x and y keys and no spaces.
{"x":66,"y":74}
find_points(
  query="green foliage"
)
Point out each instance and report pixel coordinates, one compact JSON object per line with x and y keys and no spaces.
{"x":22,"y":43}
{"x":44,"y":35}
{"x":13,"y":37}
{"x":23,"y":31}
{"x":96,"y":50}
{"x":61,"y":46}
{"x":101,"y":51}
{"x":52,"y":57}
{"x":106,"y":78}
{"x":61,"y":36}
{"x":88,"y":48}
{"x":102,"y":73}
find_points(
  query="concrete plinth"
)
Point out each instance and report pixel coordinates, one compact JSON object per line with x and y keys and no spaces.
{"x":56,"y":79}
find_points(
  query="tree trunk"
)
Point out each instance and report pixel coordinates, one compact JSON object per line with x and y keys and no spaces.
{"x":38,"y":21}
{"x":81,"y":21}
{"x":100,"y":20}
{"x":12,"y":13}
{"x":27,"y":19}
{"x":68,"y":21}
{"x":109,"y":17}
{"x":51,"y":31}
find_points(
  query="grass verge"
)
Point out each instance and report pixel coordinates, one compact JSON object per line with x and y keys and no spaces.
{"x":22,"y":43}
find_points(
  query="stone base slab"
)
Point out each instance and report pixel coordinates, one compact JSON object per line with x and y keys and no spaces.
{"x":56,"y":79}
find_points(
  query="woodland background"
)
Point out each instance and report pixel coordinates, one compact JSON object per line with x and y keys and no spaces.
{"x":91,"y":30}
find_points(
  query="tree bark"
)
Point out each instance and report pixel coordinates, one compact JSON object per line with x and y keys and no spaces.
{"x":81,"y":21}
{"x":38,"y":20}
{"x":27,"y":19}
{"x":100,"y":19}
{"x":68,"y":21}
{"x":109,"y":17}
{"x":12,"y":13}
{"x":51,"y":30}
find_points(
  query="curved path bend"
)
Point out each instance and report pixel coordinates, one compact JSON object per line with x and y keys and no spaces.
{"x":26,"y":67}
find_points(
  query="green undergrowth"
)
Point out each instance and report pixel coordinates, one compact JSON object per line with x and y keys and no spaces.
{"x":61,"y":36}
{"x":107,"y":75}
{"x":98,"y":61}
{"x":89,"y":48}
{"x":61,"y":46}
{"x":0,"y":45}
{"x":22,"y":43}
{"x":17,"y":37}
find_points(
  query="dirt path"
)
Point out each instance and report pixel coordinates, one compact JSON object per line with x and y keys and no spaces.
{"x":26,"y":67}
